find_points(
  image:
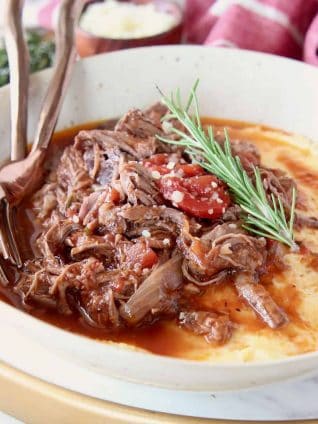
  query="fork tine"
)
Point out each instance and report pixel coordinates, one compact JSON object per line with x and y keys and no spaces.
{"x":66,"y":55}
{"x":4,"y":244}
{"x":12,"y":238}
{"x":3,"y":277}
{"x":3,"y":238}
{"x":7,"y":233}
{"x":18,"y":57}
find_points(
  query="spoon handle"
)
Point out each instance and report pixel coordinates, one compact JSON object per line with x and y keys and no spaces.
{"x":18,"y":57}
{"x":70,"y":11}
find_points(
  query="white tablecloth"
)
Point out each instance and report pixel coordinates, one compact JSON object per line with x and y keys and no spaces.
{"x":6,"y":419}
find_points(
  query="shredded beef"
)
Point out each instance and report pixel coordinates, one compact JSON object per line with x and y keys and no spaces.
{"x":156,"y":112}
{"x":247,"y":152}
{"x":260,"y":300}
{"x":232,"y":213}
{"x":138,"y":185}
{"x":306,"y":221}
{"x":110,"y":250}
{"x":276,"y":182}
{"x":98,"y":308}
{"x":214,"y":327}
{"x":72,"y":175}
{"x":137,"y":147}
{"x":222,"y":251}
{"x":136,"y":123}
{"x":156,"y":293}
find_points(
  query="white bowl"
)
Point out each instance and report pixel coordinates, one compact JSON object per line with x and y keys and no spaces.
{"x":234,"y":84}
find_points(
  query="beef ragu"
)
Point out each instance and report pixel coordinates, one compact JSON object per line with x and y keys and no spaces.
{"x":126,"y":234}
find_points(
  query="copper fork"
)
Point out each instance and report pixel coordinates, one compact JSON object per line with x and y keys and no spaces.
{"x":22,"y":175}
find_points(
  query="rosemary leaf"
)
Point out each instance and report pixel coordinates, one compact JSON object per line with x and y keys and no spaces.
{"x":259,"y":215}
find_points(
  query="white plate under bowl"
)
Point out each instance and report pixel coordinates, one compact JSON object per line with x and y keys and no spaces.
{"x":234,"y":84}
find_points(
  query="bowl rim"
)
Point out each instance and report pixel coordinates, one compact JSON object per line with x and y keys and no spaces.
{"x":124,"y":350}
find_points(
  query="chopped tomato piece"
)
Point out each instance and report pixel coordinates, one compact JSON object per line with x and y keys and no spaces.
{"x":140,"y":254}
{"x":190,"y":169}
{"x":158,"y":163}
{"x":119,"y":284}
{"x":203,"y":196}
{"x":162,"y":169}
{"x":158,"y":159}
{"x":113,"y":196}
{"x":148,"y":258}
{"x":161,"y":163}
{"x":193,"y":190}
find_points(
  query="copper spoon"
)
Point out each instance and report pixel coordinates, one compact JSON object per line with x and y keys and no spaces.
{"x":20,"y":178}
{"x":18,"y":56}
{"x":65,"y":58}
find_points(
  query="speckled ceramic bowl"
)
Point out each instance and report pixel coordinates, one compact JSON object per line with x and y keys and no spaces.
{"x":234,"y":84}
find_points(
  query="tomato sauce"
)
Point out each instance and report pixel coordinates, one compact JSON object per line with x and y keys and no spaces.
{"x":164,"y":337}
{"x":300,"y":172}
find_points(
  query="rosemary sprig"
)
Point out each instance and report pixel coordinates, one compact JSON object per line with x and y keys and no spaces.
{"x":259,"y":215}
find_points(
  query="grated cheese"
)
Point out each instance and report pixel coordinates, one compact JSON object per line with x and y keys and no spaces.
{"x":177,"y":196}
{"x":124,"y":20}
{"x":171,"y":165}
{"x":146,"y":233}
{"x":75,"y":219}
{"x":156,"y":175}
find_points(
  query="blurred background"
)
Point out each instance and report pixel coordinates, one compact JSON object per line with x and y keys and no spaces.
{"x":282,"y":27}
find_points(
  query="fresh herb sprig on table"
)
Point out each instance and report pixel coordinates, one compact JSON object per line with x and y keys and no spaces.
{"x":41,"y":50}
{"x":259,"y":215}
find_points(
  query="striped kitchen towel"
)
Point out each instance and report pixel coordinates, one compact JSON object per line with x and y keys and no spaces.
{"x":283,"y":27}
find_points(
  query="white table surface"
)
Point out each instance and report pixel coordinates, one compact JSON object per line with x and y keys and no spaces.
{"x":6,"y":419}
{"x":290,"y":400}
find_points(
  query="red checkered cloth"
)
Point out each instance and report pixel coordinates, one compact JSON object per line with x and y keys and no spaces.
{"x":283,"y":27}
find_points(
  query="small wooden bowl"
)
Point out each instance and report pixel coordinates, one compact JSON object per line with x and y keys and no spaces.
{"x":88,"y":44}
